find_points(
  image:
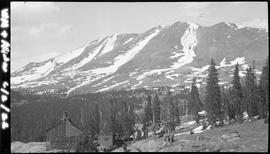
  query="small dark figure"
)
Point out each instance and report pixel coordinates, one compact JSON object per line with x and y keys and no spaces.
{"x":139,"y":135}
{"x":145,"y":134}
{"x":172,"y":137}
{"x":166,"y":137}
{"x":266,"y":119}
{"x":162,"y":133}
{"x":124,"y":146}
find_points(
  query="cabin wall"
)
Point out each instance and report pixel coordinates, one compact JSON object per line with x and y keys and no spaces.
{"x":58,"y":131}
{"x":64,"y":136}
{"x":72,"y":131}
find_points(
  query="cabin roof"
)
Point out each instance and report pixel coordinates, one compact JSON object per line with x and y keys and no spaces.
{"x":66,"y":116}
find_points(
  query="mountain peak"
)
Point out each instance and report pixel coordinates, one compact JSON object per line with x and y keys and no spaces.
{"x":226,"y":25}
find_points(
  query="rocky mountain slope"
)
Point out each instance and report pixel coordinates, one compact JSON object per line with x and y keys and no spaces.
{"x":164,"y":55}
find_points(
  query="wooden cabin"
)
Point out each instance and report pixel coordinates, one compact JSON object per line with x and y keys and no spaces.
{"x":65,"y":135}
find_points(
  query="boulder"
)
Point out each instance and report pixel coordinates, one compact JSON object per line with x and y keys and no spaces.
{"x":255,"y":117}
{"x":209,"y":127}
{"x":202,"y":113}
{"x":218,"y":124}
{"x":245,"y":116}
{"x":231,"y":136}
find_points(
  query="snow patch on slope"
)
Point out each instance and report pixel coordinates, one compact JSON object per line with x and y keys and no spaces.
{"x":112,"y":86}
{"x":120,"y":60}
{"x":125,"y":57}
{"x":223,"y":62}
{"x":172,"y":76}
{"x":64,"y":58}
{"x":146,"y":74}
{"x":128,"y":40}
{"x":188,"y":41}
{"x":87,"y":59}
{"x":239,"y":60}
{"x":110,"y":43}
{"x":200,"y":70}
{"x":139,"y":83}
{"x":132,"y":73}
{"x":35,"y":73}
{"x":104,"y":81}
{"x":245,"y":66}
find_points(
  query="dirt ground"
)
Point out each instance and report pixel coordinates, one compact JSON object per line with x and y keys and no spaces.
{"x":253,"y":138}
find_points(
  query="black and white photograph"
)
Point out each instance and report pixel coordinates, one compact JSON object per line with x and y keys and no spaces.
{"x":139,"y":76}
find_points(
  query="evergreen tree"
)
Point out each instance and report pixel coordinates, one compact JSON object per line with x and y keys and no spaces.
{"x":237,"y":95}
{"x":264,"y":90}
{"x":171,"y":108}
{"x":252,"y":109}
{"x":113,"y":120}
{"x":96,"y":119}
{"x":229,"y":110}
{"x":213,"y":95}
{"x":156,"y":109}
{"x":125,"y":121}
{"x":194,"y":101}
{"x":148,"y":115}
{"x":177,"y":113}
{"x":131,"y":118}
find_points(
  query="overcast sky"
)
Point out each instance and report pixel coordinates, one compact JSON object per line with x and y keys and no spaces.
{"x":41,"y":30}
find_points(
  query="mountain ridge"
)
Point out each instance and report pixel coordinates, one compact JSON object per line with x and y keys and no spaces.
{"x":168,"y":54}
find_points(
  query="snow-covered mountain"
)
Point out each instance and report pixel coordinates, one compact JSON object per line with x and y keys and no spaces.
{"x":164,"y":55}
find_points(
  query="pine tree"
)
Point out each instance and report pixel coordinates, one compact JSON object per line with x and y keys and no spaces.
{"x":148,"y":115}
{"x":131,"y":118}
{"x":171,"y":108}
{"x":113,"y":120}
{"x":252,"y":109}
{"x":264,"y":90}
{"x":177,"y":113}
{"x":237,"y":95}
{"x":156,"y":109}
{"x":96,"y":119}
{"x":125,"y":121}
{"x":213,"y":95}
{"x":229,"y":110}
{"x":82,"y":120}
{"x":194,"y":101}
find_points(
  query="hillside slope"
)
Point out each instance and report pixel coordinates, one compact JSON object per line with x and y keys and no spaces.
{"x":253,"y":138}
